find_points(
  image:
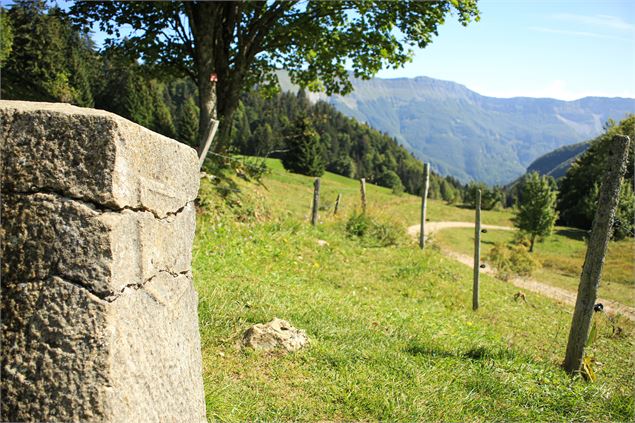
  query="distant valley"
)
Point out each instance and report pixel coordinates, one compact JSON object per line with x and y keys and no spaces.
{"x":470,"y":136}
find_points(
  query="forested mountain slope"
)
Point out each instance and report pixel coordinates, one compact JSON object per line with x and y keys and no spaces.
{"x":471,"y":136}
{"x":557,"y":162}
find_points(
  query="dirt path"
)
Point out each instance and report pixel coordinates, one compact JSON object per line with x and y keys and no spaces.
{"x":563,"y":295}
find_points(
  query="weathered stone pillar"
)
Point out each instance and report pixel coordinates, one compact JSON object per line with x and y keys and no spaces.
{"x":99,"y":319}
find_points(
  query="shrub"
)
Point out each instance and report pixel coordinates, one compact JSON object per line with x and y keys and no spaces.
{"x":512,"y":260}
{"x":373,"y":232}
{"x":358,"y":224}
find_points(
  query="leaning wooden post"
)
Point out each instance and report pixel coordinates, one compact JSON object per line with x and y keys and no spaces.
{"x":206,"y":142}
{"x":424,"y":203}
{"x":477,"y":250}
{"x":316,"y":201}
{"x":363,"y":188}
{"x":595,"y":253}
{"x":337,"y":204}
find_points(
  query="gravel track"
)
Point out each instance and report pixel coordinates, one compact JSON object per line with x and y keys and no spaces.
{"x":559,"y":294}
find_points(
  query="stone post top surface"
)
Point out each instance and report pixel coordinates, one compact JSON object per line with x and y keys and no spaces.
{"x":94,"y":156}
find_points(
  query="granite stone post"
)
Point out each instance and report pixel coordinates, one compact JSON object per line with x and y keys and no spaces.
{"x":98,"y":311}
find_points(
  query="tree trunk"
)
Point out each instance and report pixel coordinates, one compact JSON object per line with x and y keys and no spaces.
{"x":531,"y":245}
{"x":227,"y":104}
{"x":207,"y":105}
{"x":203,"y":19}
{"x":218,"y":86}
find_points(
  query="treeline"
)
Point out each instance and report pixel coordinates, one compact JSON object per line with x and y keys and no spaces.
{"x":267,"y":126}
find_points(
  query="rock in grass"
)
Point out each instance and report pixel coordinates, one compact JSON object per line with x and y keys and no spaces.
{"x":277,"y":334}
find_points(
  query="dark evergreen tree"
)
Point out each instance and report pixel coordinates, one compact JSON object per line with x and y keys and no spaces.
{"x":579,"y":189}
{"x":304,"y":153}
{"x":162,"y":121}
{"x":48,"y":60}
{"x":187,"y":122}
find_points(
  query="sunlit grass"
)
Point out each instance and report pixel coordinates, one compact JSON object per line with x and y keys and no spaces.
{"x":393,"y":336}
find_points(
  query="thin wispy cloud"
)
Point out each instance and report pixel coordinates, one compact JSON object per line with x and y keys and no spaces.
{"x":599,"y":21}
{"x":576,"y":33}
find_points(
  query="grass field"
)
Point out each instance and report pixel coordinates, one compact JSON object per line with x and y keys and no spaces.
{"x":393,"y":336}
{"x":562,"y":257}
{"x":294,"y":193}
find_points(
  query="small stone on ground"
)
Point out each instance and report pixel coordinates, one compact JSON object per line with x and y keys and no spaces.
{"x":277,"y":334}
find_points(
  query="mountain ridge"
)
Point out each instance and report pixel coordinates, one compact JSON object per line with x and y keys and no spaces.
{"x":468,"y":135}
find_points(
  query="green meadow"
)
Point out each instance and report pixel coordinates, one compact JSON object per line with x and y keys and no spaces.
{"x":392,"y":333}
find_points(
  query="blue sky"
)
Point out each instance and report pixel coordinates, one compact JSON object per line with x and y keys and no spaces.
{"x":559,"y":49}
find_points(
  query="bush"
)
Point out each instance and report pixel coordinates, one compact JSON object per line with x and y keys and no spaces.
{"x":374,"y":233}
{"x":512,"y":260}
{"x":358,"y":225}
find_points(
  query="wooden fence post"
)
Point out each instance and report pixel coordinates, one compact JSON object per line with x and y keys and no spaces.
{"x":424,"y":203}
{"x":337,"y":204}
{"x":596,"y":252}
{"x":477,"y":250}
{"x":203,"y":147}
{"x":363,"y":188}
{"x":316,"y":201}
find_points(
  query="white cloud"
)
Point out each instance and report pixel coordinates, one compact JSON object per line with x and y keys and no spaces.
{"x":574,"y":33}
{"x":599,"y":21}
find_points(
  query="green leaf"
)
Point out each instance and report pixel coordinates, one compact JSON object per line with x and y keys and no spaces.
{"x":592,"y":334}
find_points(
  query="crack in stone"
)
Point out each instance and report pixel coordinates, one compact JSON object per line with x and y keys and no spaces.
{"x":105,"y":297}
{"x":99,"y":207}
{"x":138,"y":286}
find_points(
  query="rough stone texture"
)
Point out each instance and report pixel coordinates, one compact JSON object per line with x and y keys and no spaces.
{"x":277,"y":334}
{"x":94,"y":156}
{"x":99,"y":317}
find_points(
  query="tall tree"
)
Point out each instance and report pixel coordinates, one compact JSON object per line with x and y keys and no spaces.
{"x":45,"y":59}
{"x":536,"y":214}
{"x":227,"y":47}
{"x":304,"y":153}
{"x":187,"y":122}
{"x":579,"y":189}
{"x":6,"y":36}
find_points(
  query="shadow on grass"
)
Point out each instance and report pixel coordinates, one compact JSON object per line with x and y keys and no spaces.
{"x":576,"y":234}
{"x":476,"y":353}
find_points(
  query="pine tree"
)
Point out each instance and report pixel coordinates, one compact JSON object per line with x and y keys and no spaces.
{"x":43,"y":57}
{"x":536,"y":215}
{"x":580,"y":187}
{"x":304,"y":153}
{"x":161,"y":117}
{"x":6,"y":37}
{"x":261,"y":142}
{"x":187,"y":122}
